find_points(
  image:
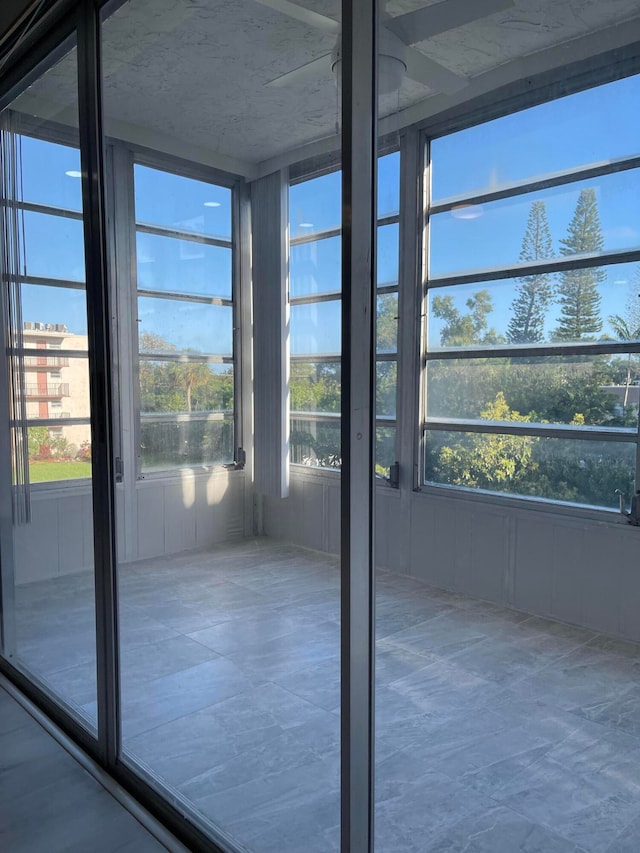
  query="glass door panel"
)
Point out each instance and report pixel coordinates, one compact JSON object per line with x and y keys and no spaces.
{"x":229,"y":623}
{"x":48,"y":613}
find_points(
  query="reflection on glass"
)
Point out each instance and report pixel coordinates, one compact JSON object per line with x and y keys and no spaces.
{"x":386,"y":388}
{"x":64,"y":242}
{"x":315,"y":442}
{"x":538,"y":309}
{"x":315,"y":386}
{"x":577,"y":390}
{"x":183,"y":266}
{"x":582,"y":472}
{"x":575,"y":219}
{"x":183,"y":443}
{"x":174,"y":201}
{"x":175,"y":325}
{"x":176,"y":386}
{"x":315,"y":328}
{"x":555,"y":136}
{"x":387,"y":323}
{"x":315,"y":267}
{"x":385,"y":449}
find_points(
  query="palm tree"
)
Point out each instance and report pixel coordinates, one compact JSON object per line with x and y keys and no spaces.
{"x":625,"y":332}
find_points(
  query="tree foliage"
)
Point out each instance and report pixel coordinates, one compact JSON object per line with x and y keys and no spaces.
{"x":315,"y":388}
{"x":465,"y":329}
{"x":578,"y":292}
{"x":627,"y":329}
{"x":485,"y":461}
{"x":174,"y":386}
{"x":534,"y":292}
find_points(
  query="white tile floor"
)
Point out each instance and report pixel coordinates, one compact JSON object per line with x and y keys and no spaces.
{"x":496,"y":731}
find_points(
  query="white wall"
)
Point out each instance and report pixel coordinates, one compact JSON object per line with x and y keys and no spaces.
{"x":170,"y":514}
{"x":573,"y":566}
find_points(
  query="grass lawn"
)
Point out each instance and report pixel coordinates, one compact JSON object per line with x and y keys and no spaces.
{"x":45,"y":472}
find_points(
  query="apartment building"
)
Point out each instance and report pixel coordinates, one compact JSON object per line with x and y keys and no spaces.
{"x":57,"y":386}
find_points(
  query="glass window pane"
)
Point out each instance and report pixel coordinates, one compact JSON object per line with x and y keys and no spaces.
{"x":555,"y":136}
{"x":387,"y":323}
{"x":59,"y":453}
{"x":578,"y":390}
{"x":183,"y":266}
{"x":315,"y":205}
{"x":46,"y":556}
{"x":582,"y":472}
{"x":185,"y":443}
{"x":389,"y":184}
{"x":176,"y":325}
{"x":388,"y":254}
{"x":54,"y":246}
{"x":386,"y":388}
{"x":59,"y":389}
{"x":51,"y":174}
{"x":63,"y":308}
{"x":315,"y":443}
{"x":588,"y":216}
{"x":538,"y":309}
{"x":315,"y":386}
{"x":174,"y":201}
{"x":171,"y":386}
{"x":315,"y":267}
{"x":315,"y":328}
{"x":385,"y":449}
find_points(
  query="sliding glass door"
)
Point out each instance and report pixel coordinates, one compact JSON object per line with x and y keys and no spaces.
{"x":48,"y":606}
{"x":200,"y":427}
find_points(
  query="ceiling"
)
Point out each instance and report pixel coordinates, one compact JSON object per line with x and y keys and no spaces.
{"x":189,"y":76}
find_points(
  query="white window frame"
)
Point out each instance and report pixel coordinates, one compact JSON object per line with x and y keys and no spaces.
{"x":127,"y":293}
{"x":55,"y":134}
{"x":307,"y":172}
{"x":514,"y":270}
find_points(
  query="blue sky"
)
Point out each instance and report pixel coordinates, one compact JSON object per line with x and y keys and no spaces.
{"x":584,"y":128}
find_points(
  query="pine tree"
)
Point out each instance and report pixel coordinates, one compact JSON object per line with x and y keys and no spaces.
{"x":632,"y":303}
{"x":534,"y":291}
{"x":578,"y":290}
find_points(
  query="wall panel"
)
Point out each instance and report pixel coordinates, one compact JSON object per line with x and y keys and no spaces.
{"x":173,"y":516}
{"x":583,"y":570}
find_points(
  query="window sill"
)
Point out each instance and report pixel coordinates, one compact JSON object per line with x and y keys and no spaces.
{"x":66,"y":487}
{"x":332,"y":475}
{"x":524,"y":504}
{"x":186,"y":473}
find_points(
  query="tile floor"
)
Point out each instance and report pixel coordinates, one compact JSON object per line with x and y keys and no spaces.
{"x":497,"y":732}
{"x":49,"y":803}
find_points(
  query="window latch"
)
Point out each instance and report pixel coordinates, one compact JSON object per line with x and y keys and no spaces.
{"x":632,"y":515}
{"x":119,"y":469}
{"x":240,"y":460}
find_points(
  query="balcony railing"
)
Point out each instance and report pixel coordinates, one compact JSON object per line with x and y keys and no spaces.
{"x":57,"y":415}
{"x":61,"y":389}
{"x":47,"y":361}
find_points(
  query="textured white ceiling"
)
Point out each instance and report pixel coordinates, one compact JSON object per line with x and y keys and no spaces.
{"x":195,"y":70}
